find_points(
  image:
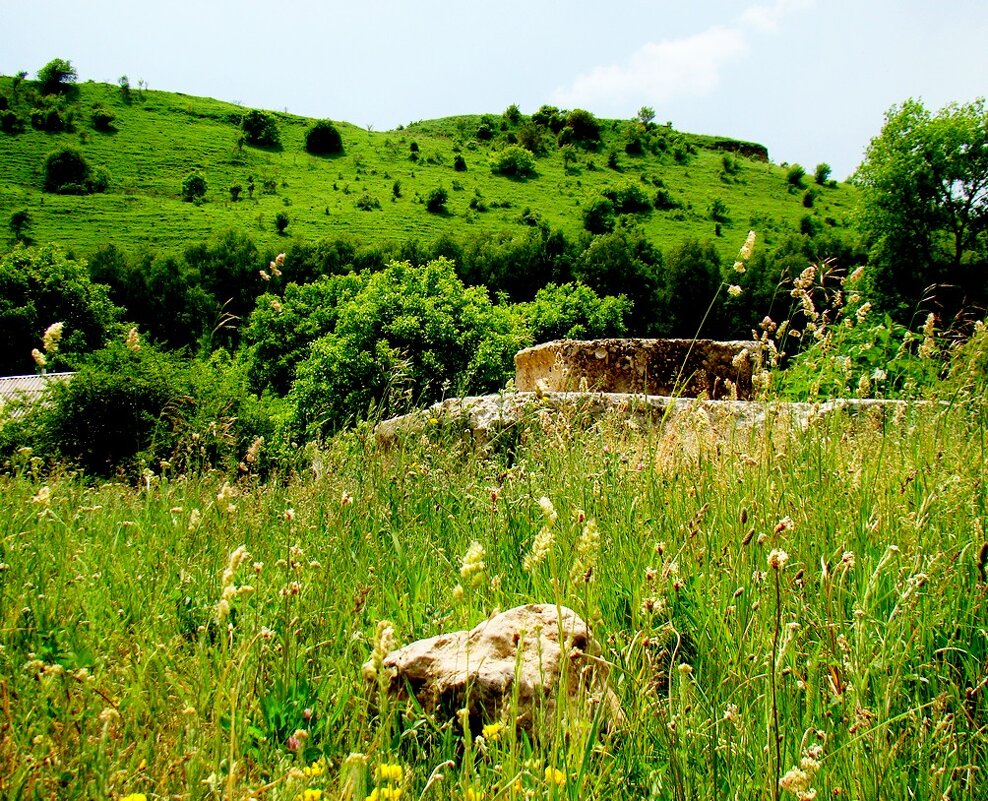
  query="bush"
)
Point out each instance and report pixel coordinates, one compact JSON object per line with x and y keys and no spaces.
{"x":795,"y":175}
{"x":435,"y":203}
{"x":719,"y":211}
{"x":322,"y":139}
{"x":56,"y":77}
{"x":410,"y":336}
{"x":367,"y":202}
{"x":99,"y":179}
{"x":459,"y":163}
{"x":485,"y":132}
{"x":280,"y":330}
{"x":194,"y":187}
{"x":103,"y":118}
{"x":39,"y":287}
{"x":584,"y":126}
{"x":598,"y":216}
{"x":574,"y":311}
{"x":66,"y":172}
{"x":514,"y":162}
{"x":11,"y":122}
{"x":50,"y":116}
{"x":822,"y":173}
{"x":260,"y":128}
{"x":629,"y":199}
{"x":281,"y":222}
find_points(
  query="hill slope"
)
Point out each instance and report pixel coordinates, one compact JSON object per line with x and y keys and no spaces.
{"x":158,"y":138}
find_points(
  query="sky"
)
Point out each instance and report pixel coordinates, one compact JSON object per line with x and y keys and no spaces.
{"x":810,"y":79}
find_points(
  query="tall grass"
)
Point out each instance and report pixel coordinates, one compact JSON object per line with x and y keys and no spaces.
{"x":852,"y":665}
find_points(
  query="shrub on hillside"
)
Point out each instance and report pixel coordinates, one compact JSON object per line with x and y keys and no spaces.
{"x":629,"y":199}
{"x":598,"y":215}
{"x":795,"y":175}
{"x":459,"y":163}
{"x":194,"y":187}
{"x":103,"y":118}
{"x":409,"y":336}
{"x":584,"y":126}
{"x":67,"y":173}
{"x":435,"y":202}
{"x":323,"y":139}
{"x":281,"y":222}
{"x":260,"y":128}
{"x":514,"y":162}
{"x":56,"y":77}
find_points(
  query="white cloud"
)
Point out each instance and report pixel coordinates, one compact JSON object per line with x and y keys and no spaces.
{"x":658,"y":71}
{"x":661,"y":71}
{"x":767,"y":19}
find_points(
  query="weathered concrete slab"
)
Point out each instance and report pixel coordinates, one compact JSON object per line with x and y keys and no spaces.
{"x":483,"y":417}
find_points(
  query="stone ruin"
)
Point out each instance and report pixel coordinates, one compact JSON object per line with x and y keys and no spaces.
{"x":685,"y":368}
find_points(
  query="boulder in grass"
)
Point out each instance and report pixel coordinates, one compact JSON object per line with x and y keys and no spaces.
{"x":516,"y":659}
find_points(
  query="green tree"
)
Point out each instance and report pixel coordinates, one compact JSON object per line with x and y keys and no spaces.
{"x":39,"y":287}
{"x":260,"y":128}
{"x":281,"y":222}
{"x":323,"y":139}
{"x":57,"y":76}
{"x":19,"y":222}
{"x":924,"y":207}
{"x":435,"y":203}
{"x":194,"y":187}
{"x":822,"y":173}
{"x":409,"y":336}
{"x":514,"y":162}
{"x":66,"y":171}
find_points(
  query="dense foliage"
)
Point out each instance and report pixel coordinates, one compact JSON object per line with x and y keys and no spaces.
{"x":323,"y":139}
{"x":40,"y":288}
{"x":925,"y":207}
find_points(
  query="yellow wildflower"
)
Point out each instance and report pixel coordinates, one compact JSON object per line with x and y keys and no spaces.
{"x":135,"y":797}
{"x":555,"y":776}
{"x":311,"y":794}
{"x":389,"y":772}
{"x":492,"y":731}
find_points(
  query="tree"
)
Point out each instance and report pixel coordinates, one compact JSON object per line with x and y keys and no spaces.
{"x":39,"y":287}
{"x":56,"y":76}
{"x":924,"y":208}
{"x":194,"y":187}
{"x":66,"y":172}
{"x":822,"y":173}
{"x":436,"y":201}
{"x":281,"y":222}
{"x":19,"y":221}
{"x":322,"y":139}
{"x":260,"y":128}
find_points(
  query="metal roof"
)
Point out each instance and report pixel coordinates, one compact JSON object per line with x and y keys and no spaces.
{"x":26,"y":388}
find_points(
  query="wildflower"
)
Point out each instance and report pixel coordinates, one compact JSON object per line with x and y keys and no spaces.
{"x":289,"y":516}
{"x":194,"y":517}
{"x":587,"y":547}
{"x":862,"y":311}
{"x":384,"y":642}
{"x":555,"y":776}
{"x":132,"y":341}
{"x":228,"y":589}
{"x":804,"y":281}
{"x":279,"y":260}
{"x":39,"y":357}
{"x":52,"y":336}
{"x":264,"y":275}
{"x":385,"y":794}
{"x":276,"y":305}
{"x":43,"y":496}
{"x":796,"y":781}
{"x":879,"y":374}
{"x":135,"y":797}
{"x":748,"y":247}
{"x":777,"y":559}
{"x":389,"y":772}
{"x":311,"y":794}
{"x":540,"y":549}
{"x":928,"y":347}
{"x":739,"y":267}
{"x":473,"y":795}
{"x":254,"y":450}
{"x":346,"y":499}
{"x":734,"y":291}
{"x":458,"y":593}
{"x":864,"y":386}
{"x":473,"y":567}
{"x":223,"y":498}
{"x":858,"y":272}
{"x":731,"y":713}
{"x":492,"y":731}
{"x":548,"y":510}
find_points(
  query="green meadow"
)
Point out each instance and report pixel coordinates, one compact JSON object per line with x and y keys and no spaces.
{"x":158,"y":138}
{"x":784,"y":612}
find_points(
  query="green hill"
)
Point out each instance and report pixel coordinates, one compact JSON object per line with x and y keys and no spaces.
{"x":377,"y":189}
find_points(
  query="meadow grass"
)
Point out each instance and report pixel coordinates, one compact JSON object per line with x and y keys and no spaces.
{"x":777,"y":604}
{"x":160,"y":137}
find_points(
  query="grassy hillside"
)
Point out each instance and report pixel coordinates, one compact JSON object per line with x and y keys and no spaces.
{"x":158,"y":138}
